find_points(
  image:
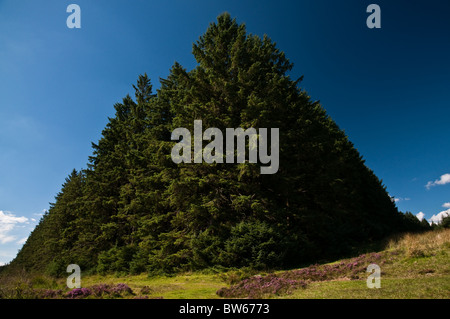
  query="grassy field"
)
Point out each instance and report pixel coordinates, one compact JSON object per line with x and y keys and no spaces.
{"x":412,"y":266}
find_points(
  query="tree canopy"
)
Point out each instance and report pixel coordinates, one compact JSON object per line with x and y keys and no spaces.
{"x":133,"y":209}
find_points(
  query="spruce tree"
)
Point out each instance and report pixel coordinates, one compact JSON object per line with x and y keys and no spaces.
{"x":133,"y":209}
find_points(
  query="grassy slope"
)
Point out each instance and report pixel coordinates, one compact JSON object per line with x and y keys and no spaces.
{"x":413,"y":266}
{"x":420,"y":270}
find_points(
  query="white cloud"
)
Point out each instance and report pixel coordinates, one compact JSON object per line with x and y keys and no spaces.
{"x":397,"y":199}
{"x":446,"y":205}
{"x":420,"y":216}
{"x":40,"y":214}
{"x":8,"y":222}
{"x":2,"y":264}
{"x":444,"y":179}
{"x":438,"y":218}
{"x":22,"y":241}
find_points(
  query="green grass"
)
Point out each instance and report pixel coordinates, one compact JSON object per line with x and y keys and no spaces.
{"x":420,"y":269}
{"x":182,"y":286}
{"x":412,"y":267}
{"x":435,"y":287}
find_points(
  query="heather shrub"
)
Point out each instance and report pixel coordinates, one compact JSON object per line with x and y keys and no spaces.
{"x":106,"y":291}
{"x":260,"y":286}
{"x":78,"y":293}
{"x":350,"y":268}
{"x":286,"y":282}
{"x":121,"y":289}
{"x":101,"y":290}
{"x":51,"y":293}
{"x":146,"y":290}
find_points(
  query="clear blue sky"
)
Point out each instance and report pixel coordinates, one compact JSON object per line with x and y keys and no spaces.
{"x":388,"y":88}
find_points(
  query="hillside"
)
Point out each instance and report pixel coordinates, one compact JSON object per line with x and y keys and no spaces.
{"x":412,"y":266}
{"x":134,"y":209}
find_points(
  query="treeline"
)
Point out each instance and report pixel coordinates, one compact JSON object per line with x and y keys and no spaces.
{"x":134,"y":210}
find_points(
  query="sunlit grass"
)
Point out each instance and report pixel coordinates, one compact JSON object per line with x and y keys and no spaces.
{"x":432,"y":287}
{"x":182,"y":286}
{"x":412,"y":266}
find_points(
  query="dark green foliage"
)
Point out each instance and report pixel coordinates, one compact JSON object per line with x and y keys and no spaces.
{"x":134,"y":210}
{"x":116,"y":259}
{"x":413,"y":224}
{"x":254,"y":244}
{"x":445,"y":223}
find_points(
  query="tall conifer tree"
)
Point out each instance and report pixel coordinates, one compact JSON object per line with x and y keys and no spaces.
{"x":133,"y":209}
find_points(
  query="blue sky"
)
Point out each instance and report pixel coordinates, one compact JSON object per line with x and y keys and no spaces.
{"x":388,"y":88}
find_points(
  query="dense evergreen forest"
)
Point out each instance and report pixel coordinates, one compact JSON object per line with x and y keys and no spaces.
{"x":134,"y":210}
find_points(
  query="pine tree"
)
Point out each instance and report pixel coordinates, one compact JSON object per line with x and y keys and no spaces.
{"x":133,"y":209}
